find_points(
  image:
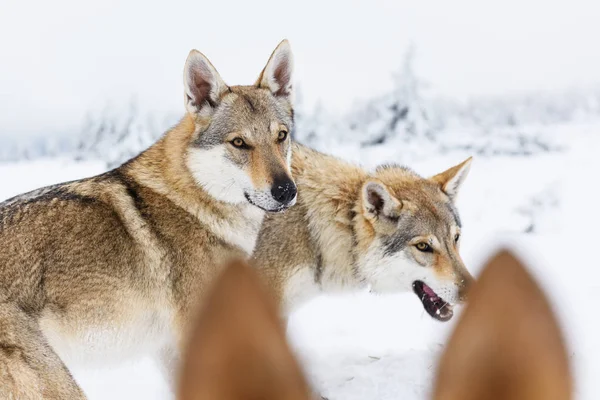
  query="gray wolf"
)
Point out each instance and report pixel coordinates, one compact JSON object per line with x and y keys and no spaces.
{"x":112,"y":266}
{"x":391,"y":231}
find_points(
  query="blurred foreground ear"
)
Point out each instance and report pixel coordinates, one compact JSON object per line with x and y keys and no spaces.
{"x":238,"y":348}
{"x":507,"y":344}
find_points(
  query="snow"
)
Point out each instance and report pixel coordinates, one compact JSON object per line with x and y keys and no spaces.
{"x":444,"y":83}
{"x":385,"y":347}
{"x":109,"y":51}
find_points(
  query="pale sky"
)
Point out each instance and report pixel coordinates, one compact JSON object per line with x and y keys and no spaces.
{"x":60,"y":59}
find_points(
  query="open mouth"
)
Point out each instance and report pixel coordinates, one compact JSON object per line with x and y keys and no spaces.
{"x":435,"y":306}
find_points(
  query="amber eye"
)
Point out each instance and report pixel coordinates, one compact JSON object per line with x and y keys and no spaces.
{"x":424,"y":247}
{"x":456,"y":237}
{"x":282,"y":136}
{"x":239,"y":143}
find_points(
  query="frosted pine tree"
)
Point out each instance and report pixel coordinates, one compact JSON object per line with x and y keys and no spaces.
{"x":115,"y":137}
{"x":401,"y":114}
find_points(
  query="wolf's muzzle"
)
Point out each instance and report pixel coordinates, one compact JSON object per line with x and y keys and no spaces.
{"x":283,"y":190}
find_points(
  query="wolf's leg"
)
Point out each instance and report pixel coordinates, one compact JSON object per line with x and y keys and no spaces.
{"x":29,"y":368}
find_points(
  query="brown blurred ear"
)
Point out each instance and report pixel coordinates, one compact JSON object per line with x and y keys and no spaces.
{"x":238,"y":349}
{"x":507,"y":344}
{"x":451,"y":179}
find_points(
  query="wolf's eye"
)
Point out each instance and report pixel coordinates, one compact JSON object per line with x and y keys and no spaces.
{"x":239,"y":143}
{"x":282,"y":136}
{"x":424,"y":247}
{"x":456,"y":237}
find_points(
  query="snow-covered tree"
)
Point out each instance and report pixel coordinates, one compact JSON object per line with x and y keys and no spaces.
{"x":115,"y":136}
{"x":406,"y":117}
{"x":402,"y":113}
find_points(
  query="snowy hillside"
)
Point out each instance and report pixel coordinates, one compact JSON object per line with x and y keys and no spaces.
{"x":516,"y":84}
{"x":533,"y":156}
{"x":408,"y":116}
{"x":367,"y":347}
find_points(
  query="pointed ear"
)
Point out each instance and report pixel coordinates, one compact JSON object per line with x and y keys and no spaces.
{"x":238,"y":348}
{"x":379,"y":203}
{"x":202,"y":84}
{"x":507,"y":344}
{"x":277,"y":75}
{"x":451,"y":180}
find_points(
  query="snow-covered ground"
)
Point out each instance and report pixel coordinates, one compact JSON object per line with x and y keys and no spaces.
{"x":474,"y":87}
{"x":385,"y":347}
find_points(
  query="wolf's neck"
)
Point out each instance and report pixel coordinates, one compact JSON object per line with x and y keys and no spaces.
{"x":329,"y":189}
{"x":163,"y":169}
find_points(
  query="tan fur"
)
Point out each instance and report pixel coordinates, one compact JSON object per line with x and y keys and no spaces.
{"x":507,"y":345}
{"x":264,"y":161}
{"x":320,"y":241}
{"x":114,"y":266}
{"x":327,"y":193}
{"x":238,"y":348}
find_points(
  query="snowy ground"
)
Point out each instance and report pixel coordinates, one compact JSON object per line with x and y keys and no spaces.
{"x":367,"y":347}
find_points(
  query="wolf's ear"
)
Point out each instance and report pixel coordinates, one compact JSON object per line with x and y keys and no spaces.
{"x":238,"y":348}
{"x":202,"y":84}
{"x":451,"y":179}
{"x":277,"y":75}
{"x":379,"y":203}
{"x":507,"y":344}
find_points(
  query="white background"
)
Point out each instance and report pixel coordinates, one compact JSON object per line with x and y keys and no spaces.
{"x":61,"y":59}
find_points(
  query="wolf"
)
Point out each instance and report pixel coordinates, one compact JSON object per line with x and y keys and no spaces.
{"x":391,"y":230}
{"x":507,"y":344}
{"x":112,"y":266}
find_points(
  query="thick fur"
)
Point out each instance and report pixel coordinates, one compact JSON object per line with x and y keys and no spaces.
{"x":113,"y":266}
{"x":352,"y":229}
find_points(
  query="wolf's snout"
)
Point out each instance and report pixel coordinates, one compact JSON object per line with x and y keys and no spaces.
{"x":283,"y":190}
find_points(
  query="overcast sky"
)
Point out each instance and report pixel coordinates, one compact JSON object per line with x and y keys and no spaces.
{"x":62,"y":58}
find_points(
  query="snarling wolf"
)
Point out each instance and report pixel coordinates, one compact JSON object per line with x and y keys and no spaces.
{"x":391,"y":230}
{"x":112,"y":266}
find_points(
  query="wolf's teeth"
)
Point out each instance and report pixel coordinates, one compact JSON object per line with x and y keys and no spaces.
{"x":437,"y":312}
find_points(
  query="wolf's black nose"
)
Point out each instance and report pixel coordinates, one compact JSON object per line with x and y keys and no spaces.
{"x":283,"y":190}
